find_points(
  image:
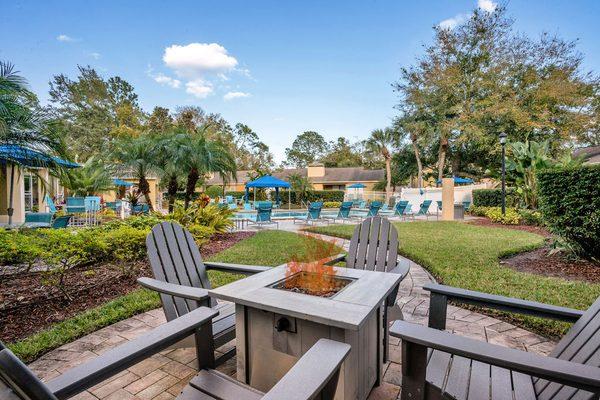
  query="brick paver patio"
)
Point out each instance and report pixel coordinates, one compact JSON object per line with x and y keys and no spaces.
{"x":162,"y":376}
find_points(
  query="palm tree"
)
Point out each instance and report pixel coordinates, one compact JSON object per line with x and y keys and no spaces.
{"x":171,"y":156}
{"x":92,"y":178}
{"x":137,"y":156}
{"x":23,"y":123}
{"x":382,"y":141}
{"x":203,"y":156}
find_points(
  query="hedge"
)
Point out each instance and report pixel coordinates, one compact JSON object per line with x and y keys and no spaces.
{"x":493,"y":197}
{"x":315,"y":195}
{"x":569,"y":200}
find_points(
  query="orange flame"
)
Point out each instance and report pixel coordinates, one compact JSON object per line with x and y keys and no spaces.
{"x":318,"y":276}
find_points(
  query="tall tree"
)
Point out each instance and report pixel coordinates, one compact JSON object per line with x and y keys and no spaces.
{"x":249,"y":151}
{"x":382,"y":141}
{"x":94,"y":111}
{"x":307,"y":148}
{"x":160,"y":121}
{"x":342,"y":153}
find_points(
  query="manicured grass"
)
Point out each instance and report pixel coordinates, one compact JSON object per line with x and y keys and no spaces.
{"x":467,"y":256}
{"x":269,"y":248}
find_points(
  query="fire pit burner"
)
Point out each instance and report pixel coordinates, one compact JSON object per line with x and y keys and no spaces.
{"x":313,"y":284}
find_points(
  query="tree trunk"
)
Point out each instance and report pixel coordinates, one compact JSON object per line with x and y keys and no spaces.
{"x":144,"y":187}
{"x":413,"y":139}
{"x":172,"y":187}
{"x":442,"y":156}
{"x":190,"y":186}
{"x":388,"y":185}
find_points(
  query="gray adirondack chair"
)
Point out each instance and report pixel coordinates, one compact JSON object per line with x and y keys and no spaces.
{"x":374,"y":247}
{"x":181,"y":279}
{"x":315,"y":374}
{"x":440,"y":365}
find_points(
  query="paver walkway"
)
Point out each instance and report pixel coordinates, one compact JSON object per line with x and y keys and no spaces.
{"x":162,"y":376}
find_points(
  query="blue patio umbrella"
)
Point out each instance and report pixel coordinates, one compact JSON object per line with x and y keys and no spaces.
{"x":357,"y":186}
{"x":458,"y":180}
{"x":120,"y":182}
{"x":267,"y":181}
{"x":17,"y":154}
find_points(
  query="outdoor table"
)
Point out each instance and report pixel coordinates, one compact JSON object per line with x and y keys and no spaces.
{"x":275,"y":327}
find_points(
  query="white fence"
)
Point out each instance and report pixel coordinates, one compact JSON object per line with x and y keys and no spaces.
{"x":416,"y":196}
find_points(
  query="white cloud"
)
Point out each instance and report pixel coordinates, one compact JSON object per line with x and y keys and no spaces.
{"x":195,"y":59}
{"x":95,"y":55}
{"x":65,"y":38}
{"x":235,"y":95}
{"x":487,"y":5}
{"x":167,"y":80}
{"x":199,"y":88}
{"x":451,"y":23}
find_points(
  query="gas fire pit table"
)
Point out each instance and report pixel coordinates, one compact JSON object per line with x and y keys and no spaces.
{"x":275,"y":326}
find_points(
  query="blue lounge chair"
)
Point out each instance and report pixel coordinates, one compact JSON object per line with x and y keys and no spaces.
{"x":61,"y":222}
{"x":313,"y":214}
{"x":140,"y":209}
{"x":424,"y":209}
{"x":343,"y":213}
{"x":247,"y":206}
{"x":264,"y":210}
{"x":36,"y":220}
{"x":374,"y":208}
{"x":466,"y":205}
{"x":91,"y":203}
{"x":399,"y":210}
{"x":75,"y":205}
{"x":439,"y":204}
{"x":50,"y":204}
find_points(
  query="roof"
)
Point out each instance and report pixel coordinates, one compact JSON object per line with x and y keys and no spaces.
{"x":590,"y":154}
{"x":268,"y":181}
{"x":332,"y":175}
{"x":31,"y":158}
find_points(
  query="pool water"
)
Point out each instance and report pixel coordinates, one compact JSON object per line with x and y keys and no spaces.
{"x":288,"y":214}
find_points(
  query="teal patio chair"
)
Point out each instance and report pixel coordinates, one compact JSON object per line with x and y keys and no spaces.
{"x":91,"y":203}
{"x":75,"y":205}
{"x":313,"y":214}
{"x":50,"y":204}
{"x":140,"y":209}
{"x":424,"y":209}
{"x":439,"y":204}
{"x":374,"y":208}
{"x":399,"y":210}
{"x":34,"y":220}
{"x":61,"y":222}
{"x":343,"y":213}
{"x":466,"y":205}
{"x":264,"y":210}
{"x":247,"y":206}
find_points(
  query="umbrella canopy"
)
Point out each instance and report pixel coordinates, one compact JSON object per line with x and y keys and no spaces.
{"x":356,"y":186}
{"x":268,"y":181}
{"x":458,"y":179}
{"x":31,"y":158}
{"x":120,"y":182}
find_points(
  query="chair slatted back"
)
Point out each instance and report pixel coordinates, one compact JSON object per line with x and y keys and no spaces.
{"x":401,"y":207}
{"x":374,"y":245}
{"x":61,"y":222}
{"x":314,"y":209}
{"x":175,"y":258}
{"x":263,"y":212}
{"x":424,"y":207}
{"x":581,"y":345}
{"x":345,"y":208}
{"x":374,"y":208}
{"x":17,"y":382}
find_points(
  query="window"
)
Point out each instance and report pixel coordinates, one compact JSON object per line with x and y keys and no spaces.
{"x":31,"y":185}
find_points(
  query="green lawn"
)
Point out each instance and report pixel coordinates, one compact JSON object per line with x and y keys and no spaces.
{"x":467,"y":256}
{"x":265,"y":248}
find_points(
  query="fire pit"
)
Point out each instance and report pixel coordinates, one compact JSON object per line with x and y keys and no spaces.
{"x":312,"y":283}
{"x":280,"y":315}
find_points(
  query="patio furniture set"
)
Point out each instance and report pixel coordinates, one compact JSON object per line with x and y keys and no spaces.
{"x":292,"y":344}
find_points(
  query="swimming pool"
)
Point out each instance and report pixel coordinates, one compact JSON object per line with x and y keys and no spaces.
{"x":290,"y":214}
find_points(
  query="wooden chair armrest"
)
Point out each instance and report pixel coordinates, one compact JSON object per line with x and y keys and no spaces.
{"x":122,"y":357}
{"x":186,"y":292}
{"x":335,"y":259}
{"x":401,"y":270}
{"x":504,"y":303}
{"x":311,"y":373}
{"x":236,"y":268}
{"x":565,"y":372}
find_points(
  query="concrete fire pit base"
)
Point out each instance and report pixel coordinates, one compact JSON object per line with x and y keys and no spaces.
{"x":275,"y":327}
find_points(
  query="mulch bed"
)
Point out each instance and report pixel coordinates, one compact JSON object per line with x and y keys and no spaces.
{"x":28,"y":304}
{"x":557,"y":265}
{"x":527,"y":228}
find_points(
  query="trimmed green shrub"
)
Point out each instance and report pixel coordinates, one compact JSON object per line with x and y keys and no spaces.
{"x":511,"y":217}
{"x":531,"y":217}
{"x":214,"y":191}
{"x":493,"y":197}
{"x":570,"y":206}
{"x":326,"y":195}
{"x":332,"y":204}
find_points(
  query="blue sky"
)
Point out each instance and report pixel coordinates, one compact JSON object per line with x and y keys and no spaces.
{"x":280,"y":67}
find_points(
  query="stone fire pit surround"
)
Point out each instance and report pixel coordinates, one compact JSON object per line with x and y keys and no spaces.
{"x":274,"y":327}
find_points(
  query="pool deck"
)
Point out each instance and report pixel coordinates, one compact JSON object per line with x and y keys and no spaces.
{"x":163,"y":375}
